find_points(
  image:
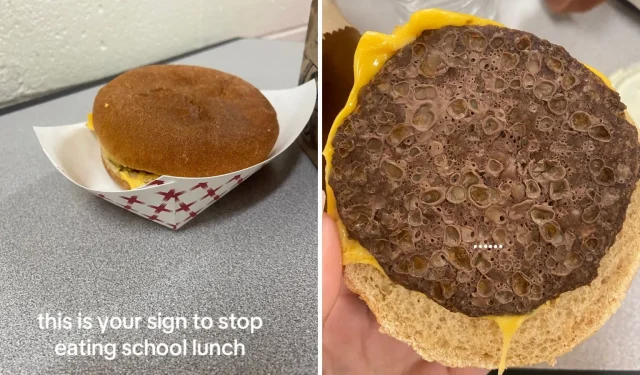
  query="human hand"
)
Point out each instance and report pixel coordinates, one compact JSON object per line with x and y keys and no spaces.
{"x":567,"y":6}
{"x":352,"y":341}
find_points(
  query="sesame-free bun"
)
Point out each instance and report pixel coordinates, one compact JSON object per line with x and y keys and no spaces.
{"x":454,"y":339}
{"x":185,"y":121}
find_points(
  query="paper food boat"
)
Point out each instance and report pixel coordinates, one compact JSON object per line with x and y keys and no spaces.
{"x":170,"y":201}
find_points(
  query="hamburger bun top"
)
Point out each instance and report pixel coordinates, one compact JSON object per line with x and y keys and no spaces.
{"x":184,"y":121}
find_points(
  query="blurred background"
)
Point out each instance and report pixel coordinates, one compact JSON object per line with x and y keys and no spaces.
{"x":47,"y":45}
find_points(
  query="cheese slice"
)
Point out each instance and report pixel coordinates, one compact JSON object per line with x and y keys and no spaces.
{"x":90,"y":122}
{"x":508,"y":326}
{"x":137,"y":179}
{"x":373,"y":50}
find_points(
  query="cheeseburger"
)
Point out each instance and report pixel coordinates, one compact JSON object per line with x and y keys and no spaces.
{"x":180,"y":120}
{"x":483,"y":182}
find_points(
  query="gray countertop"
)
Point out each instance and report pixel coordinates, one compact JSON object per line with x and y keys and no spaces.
{"x":253,"y":253}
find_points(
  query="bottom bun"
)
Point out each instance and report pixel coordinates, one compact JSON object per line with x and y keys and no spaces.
{"x":456,"y":340}
{"x":114,"y":172}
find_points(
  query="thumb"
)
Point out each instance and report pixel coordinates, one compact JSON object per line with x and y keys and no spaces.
{"x":331,"y":265}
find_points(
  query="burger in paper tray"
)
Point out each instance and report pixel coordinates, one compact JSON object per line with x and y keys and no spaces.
{"x":167,"y":141}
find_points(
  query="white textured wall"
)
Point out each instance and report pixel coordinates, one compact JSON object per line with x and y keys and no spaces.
{"x":50,"y":44}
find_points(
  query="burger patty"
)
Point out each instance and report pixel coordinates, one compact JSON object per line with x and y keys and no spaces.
{"x":125,"y":175}
{"x":485,"y":168}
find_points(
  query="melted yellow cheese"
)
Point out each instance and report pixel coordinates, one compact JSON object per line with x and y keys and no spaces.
{"x":508,"y":324}
{"x":140,"y":178}
{"x":90,"y":122}
{"x":373,"y":50}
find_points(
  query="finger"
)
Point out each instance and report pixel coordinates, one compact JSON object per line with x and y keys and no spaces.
{"x":567,"y":6}
{"x":467,"y":371}
{"x":421,"y":367}
{"x":331,"y":265}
